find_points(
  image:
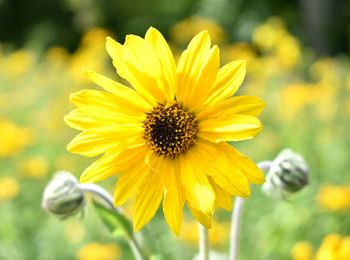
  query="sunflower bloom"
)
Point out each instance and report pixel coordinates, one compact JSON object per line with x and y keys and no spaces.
{"x":166,"y":137}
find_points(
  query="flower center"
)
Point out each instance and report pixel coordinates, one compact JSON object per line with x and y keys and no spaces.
{"x":170,"y":130}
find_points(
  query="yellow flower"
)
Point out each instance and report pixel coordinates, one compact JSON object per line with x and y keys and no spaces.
{"x":240,"y":50}
{"x":35,"y":167}
{"x":302,"y":251}
{"x":166,"y":138}
{"x":18,"y":63}
{"x":344,"y":251}
{"x":90,"y":53}
{"x":267,"y":36}
{"x":13,"y":138}
{"x":288,"y":51}
{"x":333,"y":247}
{"x":334,"y":197}
{"x":183,"y":31}
{"x":57,"y":56}
{"x":97,"y":251}
{"x":9,"y":188}
{"x":329,"y":249}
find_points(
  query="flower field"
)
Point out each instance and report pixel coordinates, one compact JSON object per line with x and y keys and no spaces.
{"x":307,"y":109}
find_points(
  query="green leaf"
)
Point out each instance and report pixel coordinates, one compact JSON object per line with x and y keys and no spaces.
{"x":117,"y":223}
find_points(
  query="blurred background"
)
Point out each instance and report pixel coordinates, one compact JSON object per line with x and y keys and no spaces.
{"x":297,"y":56}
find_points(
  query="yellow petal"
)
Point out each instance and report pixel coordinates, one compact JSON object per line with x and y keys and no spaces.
{"x":147,"y":199}
{"x":222,"y":198}
{"x":243,"y":164}
{"x":80,"y":121}
{"x":206,"y":79}
{"x":173,"y":199}
{"x":90,"y":117}
{"x":125,"y":97}
{"x":205,"y":220}
{"x":228,"y":80}
{"x":112,"y":163}
{"x":220,"y":169}
{"x":229,"y":179}
{"x":190,"y":65}
{"x":135,"y":68}
{"x":198,"y":190}
{"x":243,"y":105}
{"x":129,"y":182}
{"x":100,"y":169}
{"x":101,"y":139}
{"x":234,"y":128}
{"x":163,"y":52}
{"x":142,"y":55}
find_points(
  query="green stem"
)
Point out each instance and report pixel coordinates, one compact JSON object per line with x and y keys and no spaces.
{"x":236,"y":217}
{"x":107,"y":198}
{"x":135,"y":248}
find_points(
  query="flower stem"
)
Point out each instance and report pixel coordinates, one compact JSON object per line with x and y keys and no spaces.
{"x":107,"y":198}
{"x":135,"y":248}
{"x":236,"y":217}
{"x":98,"y":191}
{"x":203,"y":243}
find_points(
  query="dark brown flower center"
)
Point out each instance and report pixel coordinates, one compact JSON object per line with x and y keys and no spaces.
{"x":170,"y":130}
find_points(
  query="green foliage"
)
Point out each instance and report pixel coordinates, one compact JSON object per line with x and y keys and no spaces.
{"x":117,"y":224}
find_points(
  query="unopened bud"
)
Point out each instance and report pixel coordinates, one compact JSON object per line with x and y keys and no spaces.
{"x":63,"y":196}
{"x":288,"y":174}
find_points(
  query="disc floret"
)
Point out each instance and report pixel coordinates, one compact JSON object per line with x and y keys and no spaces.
{"x":170,"y":130}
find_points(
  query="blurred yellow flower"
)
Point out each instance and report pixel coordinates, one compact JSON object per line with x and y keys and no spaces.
{"x":90,"y":54}
{"x":167,"y":137}
{"x":185,"y":30}
{"x":344,"y":251}
{"x":267,"y":35}
{"x":325,"y":71}
{"x":334,"y":197}
{"x":17,"y":63}
{"x":238,"y":51}
{"x":288,"y":52}
{"x":273,"y":39}
{"x":329,"y":249}
{"x":35,"y":167}
{"x":302,"y":251}
{"x":13,"y":138}
{"x":57,"y":56}
{"x":218,"y":234}
{"x":295,"y":97}
{"x":333,"y":247}
{"x":9,"y":188}
{"x":98,"y":251}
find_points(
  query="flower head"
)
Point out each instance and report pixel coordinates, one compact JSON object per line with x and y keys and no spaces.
{"x":288,"y":173}
{"x":63,"y":196}
{"x":334,"y":198}
{"x":9,"y":188}
{"x":165,"y":137}
{"x":98,"y":251}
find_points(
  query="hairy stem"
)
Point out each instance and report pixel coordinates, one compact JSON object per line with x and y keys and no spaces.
{"x":236,"y":217}
{"x":203,"y":242}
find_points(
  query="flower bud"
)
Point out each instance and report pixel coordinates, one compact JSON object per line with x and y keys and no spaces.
{"x":288,"y":174}
{"x":63,"y":196}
